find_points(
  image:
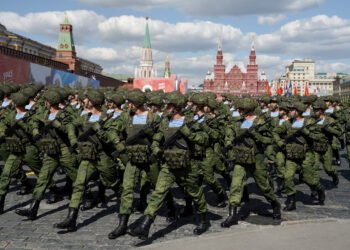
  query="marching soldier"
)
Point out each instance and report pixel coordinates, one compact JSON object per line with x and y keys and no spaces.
{"x":248,"y":143}
{"x":16,"y":130}
{"x":91,"y":147}
{"x":182,"y":140}
{"x":55,"y":133}
{"x":299,"y":153}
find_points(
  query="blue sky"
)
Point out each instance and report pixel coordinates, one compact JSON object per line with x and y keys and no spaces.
{"x":110,"y":32}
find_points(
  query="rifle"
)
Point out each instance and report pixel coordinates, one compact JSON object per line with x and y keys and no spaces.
{"x":141,"y":134}
{"x":298,"y":132}
{"x":252,"y":128}
{"x":172,"y":139}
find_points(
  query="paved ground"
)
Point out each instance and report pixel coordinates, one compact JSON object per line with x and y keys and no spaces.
{"x":94,"y":225}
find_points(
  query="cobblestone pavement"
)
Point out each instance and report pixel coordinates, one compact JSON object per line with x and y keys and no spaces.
{"x":94,"y":225}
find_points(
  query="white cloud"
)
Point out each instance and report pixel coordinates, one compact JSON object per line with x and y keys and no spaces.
{"x":115,"y":42}
{"x":270,"y":19}
{"x":213,"y":8}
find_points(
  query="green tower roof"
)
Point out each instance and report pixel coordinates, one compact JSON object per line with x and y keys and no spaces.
{"x":147,"y":39}
{"x":65,"y":38}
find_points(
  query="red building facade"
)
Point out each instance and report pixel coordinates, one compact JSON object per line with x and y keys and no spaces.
{"x":235,"y":81}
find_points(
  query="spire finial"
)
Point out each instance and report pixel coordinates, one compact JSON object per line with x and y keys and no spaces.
{"x":253,"y":41}
{"x":66,"y":20}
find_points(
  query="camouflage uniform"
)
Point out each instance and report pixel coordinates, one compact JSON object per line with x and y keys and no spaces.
{"x":247,"y":143}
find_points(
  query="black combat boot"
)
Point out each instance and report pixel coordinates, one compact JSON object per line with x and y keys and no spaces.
{"x":171,"y":215}
{"x":232,"y":218}
{"x":31,"y":212}
{"x":245,"y":196}
{"x":25,"y":188}
{"x":221,"y":199}
{"x":280,"y":185}
{"x":70,"y":221}
{"x":142,"y":230}
{"x":290,"y":203}
{"x":203,"y":225}
{"x":66,"y":191}
{"x":321,"y":196}
{"x":142,"y":203}
{"x":227,"y":178}
{"x":276,"y":210}
{"x":188,"y":209}
{"x":335,"y":179}
{"x":337,"y":157}
{"x":54,"y":196}
{"x":121,"y":228}
{"x":89,"y":201}
{"x":101,"y":197}
{"x":2,"y":203}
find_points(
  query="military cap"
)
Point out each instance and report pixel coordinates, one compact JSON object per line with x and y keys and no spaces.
{"x":95,"y":97}
{"x":265,"y":99}
{"x":155,"y":98}
{"x":117,"y":98}
{"x":283,"y":106}
{"x":299,"y":106}
{"x":247,"y":104}
{"x":7,"y":90}
{"x":199,"y":99}
{"x":19,"y":99}
{"x":30,"y":92}
{"x":175,"y":98}
{"x":136,"y":97}
{"x":319,"y":104}
{"x":52,"y":97}
{"x":212,"y":103}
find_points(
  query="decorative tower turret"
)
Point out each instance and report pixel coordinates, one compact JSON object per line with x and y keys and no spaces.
{"x":167,"y":72}
{"x":219,"y":70}
{"x":66,"y":49}
{"x":146,"y":69}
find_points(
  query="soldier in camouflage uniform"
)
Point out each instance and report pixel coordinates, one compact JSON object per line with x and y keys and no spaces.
{"x":182,"y":139}
{"x":16,"y":130}
{"x":282,"y":120}
{"x":332,"y":112}
{"x":56,"y":139}
{"x":95,"y":137}
{"x":213,"y":162}
{"x":142,"y":135}
{"x":299,"y":153}
{"x":322,"y":147}
{"x":248,"y":144}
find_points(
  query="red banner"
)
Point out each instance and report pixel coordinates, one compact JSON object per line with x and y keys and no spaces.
{"x":13,"y":70}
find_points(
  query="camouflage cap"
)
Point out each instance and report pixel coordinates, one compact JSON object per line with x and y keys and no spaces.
{"x":299,"y":106}
{"x":176,"y":98}
{"x":137,"y":97}
{"x":52,"y":97}
{"x":96,"y":97}
{"x":319,"y":104}
{"x":6,"y":89}
{"x":30,"y":92}
{"x":117,"y":98}
{"x":212,"y":103}
{"x":19,"y":99}
{"x":155,"y":98}
{"x":283,"y":106}
{"x":265,"y":99}
{"x":247,"y":104}
{"x":199,"y":99}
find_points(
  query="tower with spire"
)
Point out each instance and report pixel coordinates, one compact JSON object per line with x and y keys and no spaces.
{"x":236,"y":81}
{"x":66,"y":49}
{"x":146,"y":69}
{"x":167,"y":71}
